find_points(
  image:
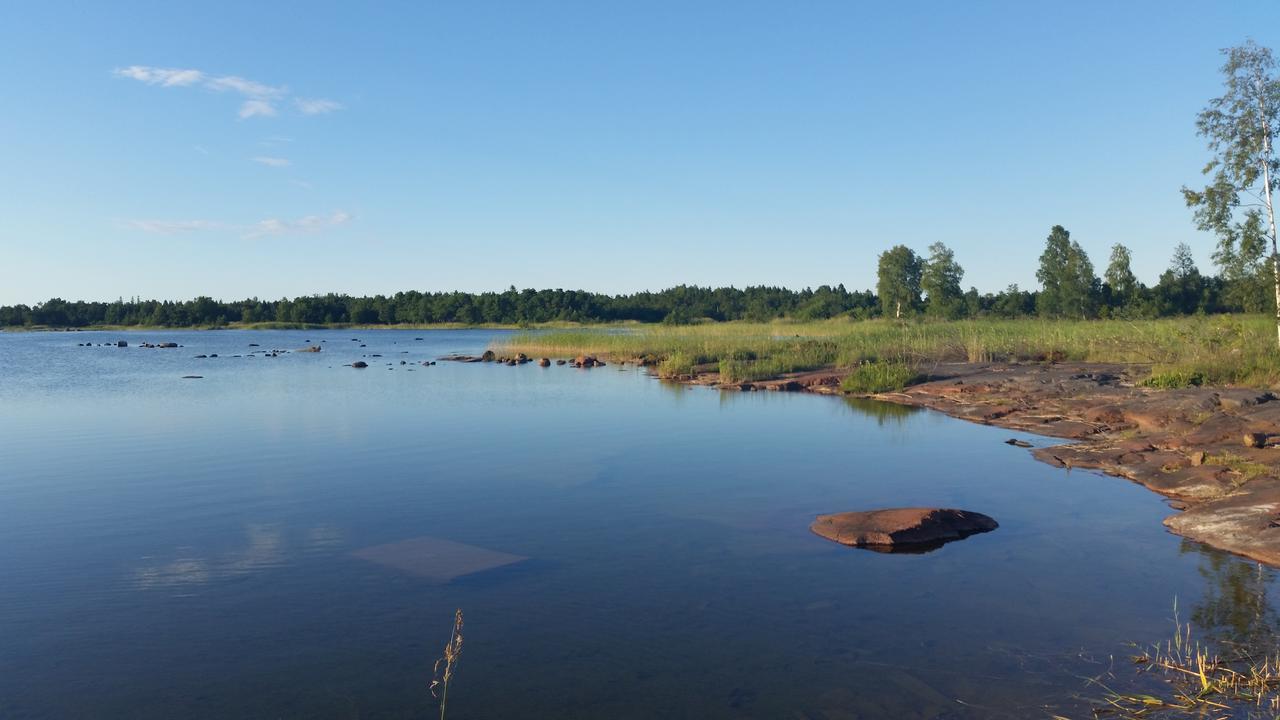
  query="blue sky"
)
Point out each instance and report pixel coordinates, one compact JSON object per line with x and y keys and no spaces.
{"x":241,"y":149}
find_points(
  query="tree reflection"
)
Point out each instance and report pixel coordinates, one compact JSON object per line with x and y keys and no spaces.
{"x":1235,"y":610}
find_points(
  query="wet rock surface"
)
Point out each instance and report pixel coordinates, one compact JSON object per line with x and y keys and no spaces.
{"x":1211,"y":451}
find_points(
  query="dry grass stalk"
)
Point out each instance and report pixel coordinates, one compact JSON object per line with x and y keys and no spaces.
{"x":1203,"y":683}
{"x":442,"y":674}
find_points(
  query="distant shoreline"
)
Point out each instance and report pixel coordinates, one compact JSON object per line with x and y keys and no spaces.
{"x":323,"y":326}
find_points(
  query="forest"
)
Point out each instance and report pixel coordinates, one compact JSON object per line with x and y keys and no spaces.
{"x":908,"y":285}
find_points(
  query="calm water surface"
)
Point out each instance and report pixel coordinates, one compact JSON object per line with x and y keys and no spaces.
{"x":200,"y":548}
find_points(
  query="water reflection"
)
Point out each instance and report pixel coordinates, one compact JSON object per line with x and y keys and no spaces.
{"x":1235,"y":610}
{"x":264,"y":549}
{"x":882,"y":412}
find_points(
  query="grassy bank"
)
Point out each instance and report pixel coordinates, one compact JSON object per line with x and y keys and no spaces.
{"x":1214,"y":350}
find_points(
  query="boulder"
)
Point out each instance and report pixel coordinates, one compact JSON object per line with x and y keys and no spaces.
{"x":359,"y":364}
{"x":1255,"y":439}
{"x":901,"y":527}
{"x":584,"y":361}
{"x":488,"y":356}
{"x":544,"y":362}
{"x":561,"y":362}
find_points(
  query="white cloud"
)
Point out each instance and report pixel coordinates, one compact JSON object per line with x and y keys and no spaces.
{"x":260,"y":99}
{"x":272,"y":161}
{"x":174,"y":227}
{"x":307,"y":224}
{"x":252,"y":108}
{"x":316,"y":106}
{"x":271,"y":227}
{"x":248,"y":88}
{"x":165,"y":77}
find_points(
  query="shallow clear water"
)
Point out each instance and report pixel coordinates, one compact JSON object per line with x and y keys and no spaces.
{"x":193,"y":547}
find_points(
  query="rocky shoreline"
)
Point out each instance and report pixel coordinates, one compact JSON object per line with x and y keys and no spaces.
{"x":1213,"y":452}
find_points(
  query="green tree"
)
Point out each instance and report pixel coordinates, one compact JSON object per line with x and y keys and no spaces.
{"x":940,"y":281}
{"x":1122,"y":284}
{"x":1181,"y":288}
{"x":1240,"y":126}
{"x":898,"y":280}
{"x":1070,"y":288}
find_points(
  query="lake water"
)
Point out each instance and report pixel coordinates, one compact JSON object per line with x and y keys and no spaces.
{"x":289,"y":538}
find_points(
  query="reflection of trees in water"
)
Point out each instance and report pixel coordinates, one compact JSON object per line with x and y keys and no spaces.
{"x":883,"y":412}
{"x":1235,"y":610}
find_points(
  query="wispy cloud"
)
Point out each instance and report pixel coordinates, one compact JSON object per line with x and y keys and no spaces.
{"x":269,"y":227}
{"x":316,"y":106}
{"x":307,"y":224}
{"x":260,"y":99}
{"x":166,"y":77}
{"x":272,"y":161}
{"x":250,"y":88}
{"x":255,"y":108}
{"x":174,"y":227}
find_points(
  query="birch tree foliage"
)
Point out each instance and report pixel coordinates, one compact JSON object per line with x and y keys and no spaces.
{"x":1240,"y":129}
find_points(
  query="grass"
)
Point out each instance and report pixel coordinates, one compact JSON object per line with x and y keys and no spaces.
{"x":878,"y":377}
{"x":1201,"y":683}
{"x":445,"y":666}
{"x":1244,"y":467}
{"x":1212,"y":350}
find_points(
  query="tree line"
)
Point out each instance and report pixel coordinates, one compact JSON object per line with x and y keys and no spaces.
{"x":1240,"y":126}
{"x":908,"y":284}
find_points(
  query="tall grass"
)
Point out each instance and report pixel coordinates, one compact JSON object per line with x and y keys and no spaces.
{"x":1213,"y":350}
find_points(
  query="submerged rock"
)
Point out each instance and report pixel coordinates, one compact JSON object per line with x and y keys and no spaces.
{"x":901,"y":527}
{"x":359,"y":364}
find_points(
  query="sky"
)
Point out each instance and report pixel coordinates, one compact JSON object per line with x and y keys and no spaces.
{"x":168,"y":150}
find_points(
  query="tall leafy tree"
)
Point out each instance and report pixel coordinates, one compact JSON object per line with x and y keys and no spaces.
{"x":1121,"y":282}
{"x":1181,"y":287}
{"x":1241,"y":127}
{"x":1070,"y":287}
{"x":898,"y":280}
{"x":940,"y":281}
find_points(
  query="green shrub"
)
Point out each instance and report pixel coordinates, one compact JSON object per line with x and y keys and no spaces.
{"x":878,"y":377}
{"x":675,"y":365}
{"x":1173,"y":379}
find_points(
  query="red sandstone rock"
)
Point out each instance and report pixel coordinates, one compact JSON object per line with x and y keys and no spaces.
{"x":901,"y":526}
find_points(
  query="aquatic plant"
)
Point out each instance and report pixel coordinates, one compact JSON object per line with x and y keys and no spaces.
{"x":442,"y":674}
{"x":1201,"y":683}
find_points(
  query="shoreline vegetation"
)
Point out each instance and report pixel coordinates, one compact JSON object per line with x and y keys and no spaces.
{"x":1181,"y":406}
{"x":1181,"y":352}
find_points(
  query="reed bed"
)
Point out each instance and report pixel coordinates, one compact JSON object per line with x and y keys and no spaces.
{"x":1209,"y":350}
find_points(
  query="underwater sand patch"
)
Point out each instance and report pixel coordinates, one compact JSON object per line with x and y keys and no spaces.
{"x":436,"y":559}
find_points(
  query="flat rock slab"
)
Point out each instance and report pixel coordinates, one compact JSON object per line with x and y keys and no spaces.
{"x":901,"y":527}
{"x":436,"y":559}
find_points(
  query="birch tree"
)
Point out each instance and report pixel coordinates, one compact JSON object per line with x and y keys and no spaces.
{"x":1240,"y":127}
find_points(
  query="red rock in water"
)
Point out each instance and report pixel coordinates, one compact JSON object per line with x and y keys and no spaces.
{"x":901,"y":527}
